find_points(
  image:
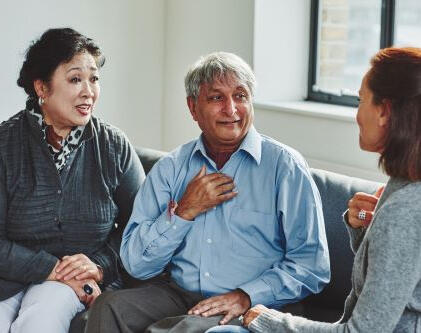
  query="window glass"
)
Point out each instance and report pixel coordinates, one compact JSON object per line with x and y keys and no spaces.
{"x":408,"y":23}
{"x":348,"y":36}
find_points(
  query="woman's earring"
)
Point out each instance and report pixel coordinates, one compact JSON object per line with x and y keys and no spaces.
{"x":40,"y":101}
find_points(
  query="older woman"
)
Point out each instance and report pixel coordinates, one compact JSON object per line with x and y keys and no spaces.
{"x":386,"y":280}
{"x":67,"y":185}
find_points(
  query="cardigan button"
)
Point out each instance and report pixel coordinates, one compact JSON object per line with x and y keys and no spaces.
{"x":58,"y":192}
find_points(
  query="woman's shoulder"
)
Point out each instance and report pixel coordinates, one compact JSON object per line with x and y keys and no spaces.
{"x":110,"y":135}
{"x":12,"y":122}
{"x":403,"y":205}
{"x":9,"y":129}
{"x":396,"y":227}
{"x":104,"y":128}
{"x":407,"y":194}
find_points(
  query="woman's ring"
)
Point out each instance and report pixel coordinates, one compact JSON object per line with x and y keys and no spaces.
{"x":87,"y":289}
{"x":362,"y":215}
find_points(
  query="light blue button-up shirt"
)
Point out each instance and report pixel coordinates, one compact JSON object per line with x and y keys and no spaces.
{"x":269,"y":240}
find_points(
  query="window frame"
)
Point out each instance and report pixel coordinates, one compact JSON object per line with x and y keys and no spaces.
{"x":387,"y":25}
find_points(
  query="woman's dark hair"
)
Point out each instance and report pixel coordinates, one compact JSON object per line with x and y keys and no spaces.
{"x":395,"y":77}
{"x":56,"y":46}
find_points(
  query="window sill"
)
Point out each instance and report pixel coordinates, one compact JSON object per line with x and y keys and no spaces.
{"x":313,"y":109}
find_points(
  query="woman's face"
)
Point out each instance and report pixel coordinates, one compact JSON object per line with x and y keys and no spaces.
{"x":372,"y":120}
{"x":70,"y":96}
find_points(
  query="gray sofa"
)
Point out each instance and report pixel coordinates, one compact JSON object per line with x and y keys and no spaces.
{"x":335,"y":190}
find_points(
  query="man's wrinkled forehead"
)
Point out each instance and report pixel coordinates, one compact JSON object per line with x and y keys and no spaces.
{"x":228,"y":80}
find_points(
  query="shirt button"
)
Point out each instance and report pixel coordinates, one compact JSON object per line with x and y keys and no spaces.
{"x":174,"y":227}
{"x":168,"y":222}
{"x":209,"y":240}
{"x":58,"y":191}
{"x":207,"y":274}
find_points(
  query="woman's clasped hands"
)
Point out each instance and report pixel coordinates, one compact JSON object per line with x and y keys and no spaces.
{"x":81,"y":274}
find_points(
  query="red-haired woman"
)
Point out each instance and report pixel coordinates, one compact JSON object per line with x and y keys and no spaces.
{"x":386,"y":232}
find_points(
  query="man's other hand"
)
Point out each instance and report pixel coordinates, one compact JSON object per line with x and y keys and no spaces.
{"x":232,"y":305}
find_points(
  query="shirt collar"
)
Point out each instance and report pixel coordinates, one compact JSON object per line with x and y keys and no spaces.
{"x":252,"y":144}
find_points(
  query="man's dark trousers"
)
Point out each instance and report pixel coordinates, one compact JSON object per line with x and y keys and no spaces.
{"x":133,"y":310}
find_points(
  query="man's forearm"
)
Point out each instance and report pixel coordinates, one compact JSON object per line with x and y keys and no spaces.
{"x":148,"y":247}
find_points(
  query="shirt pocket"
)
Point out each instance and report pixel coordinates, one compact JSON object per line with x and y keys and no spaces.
{"x":254,"y":234}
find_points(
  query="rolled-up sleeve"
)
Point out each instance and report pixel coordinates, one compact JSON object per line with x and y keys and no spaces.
{"x":152,"y":234}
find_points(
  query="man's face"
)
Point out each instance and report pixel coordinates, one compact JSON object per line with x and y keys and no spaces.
{"x":224,"y":112}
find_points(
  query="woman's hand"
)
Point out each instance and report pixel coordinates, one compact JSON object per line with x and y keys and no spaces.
{"x":253,"y":313}
{"x":77,"y":286}
{"x":53,"y":274}
{"x":362,"y":202}
{"x":79,"y":267}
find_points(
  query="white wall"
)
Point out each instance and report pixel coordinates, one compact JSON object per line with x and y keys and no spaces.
{"x":131,"y":34}
{"x":194,"y":28}
{"x":281,"y":41}
{"x":326,"y":141}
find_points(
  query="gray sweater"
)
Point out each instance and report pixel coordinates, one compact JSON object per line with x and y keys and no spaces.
{"x":386,"y":277}
{"x":45,"y":215}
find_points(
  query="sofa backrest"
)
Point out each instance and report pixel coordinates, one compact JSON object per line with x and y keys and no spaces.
{"x":148,"y":157}
{"x":335,"y":190}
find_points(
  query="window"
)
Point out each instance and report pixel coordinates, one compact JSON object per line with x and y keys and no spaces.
{"x":345,"y":34}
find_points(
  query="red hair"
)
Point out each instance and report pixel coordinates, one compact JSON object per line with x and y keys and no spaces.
{"x":395,"y":76}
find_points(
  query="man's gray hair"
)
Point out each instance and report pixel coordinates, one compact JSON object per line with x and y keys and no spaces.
{"x":218,"y":66}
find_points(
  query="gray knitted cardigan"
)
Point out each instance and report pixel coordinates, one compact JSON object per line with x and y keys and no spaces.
{"x":45,"y":215}
{"x":386,"y":277}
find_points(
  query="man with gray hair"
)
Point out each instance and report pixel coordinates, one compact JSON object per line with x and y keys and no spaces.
{"x":233,"y":218}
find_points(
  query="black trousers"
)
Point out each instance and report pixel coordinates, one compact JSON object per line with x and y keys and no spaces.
{"x":134,"y":310}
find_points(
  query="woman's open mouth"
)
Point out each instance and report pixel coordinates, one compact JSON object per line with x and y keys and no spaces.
{"x":84,"y":109}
